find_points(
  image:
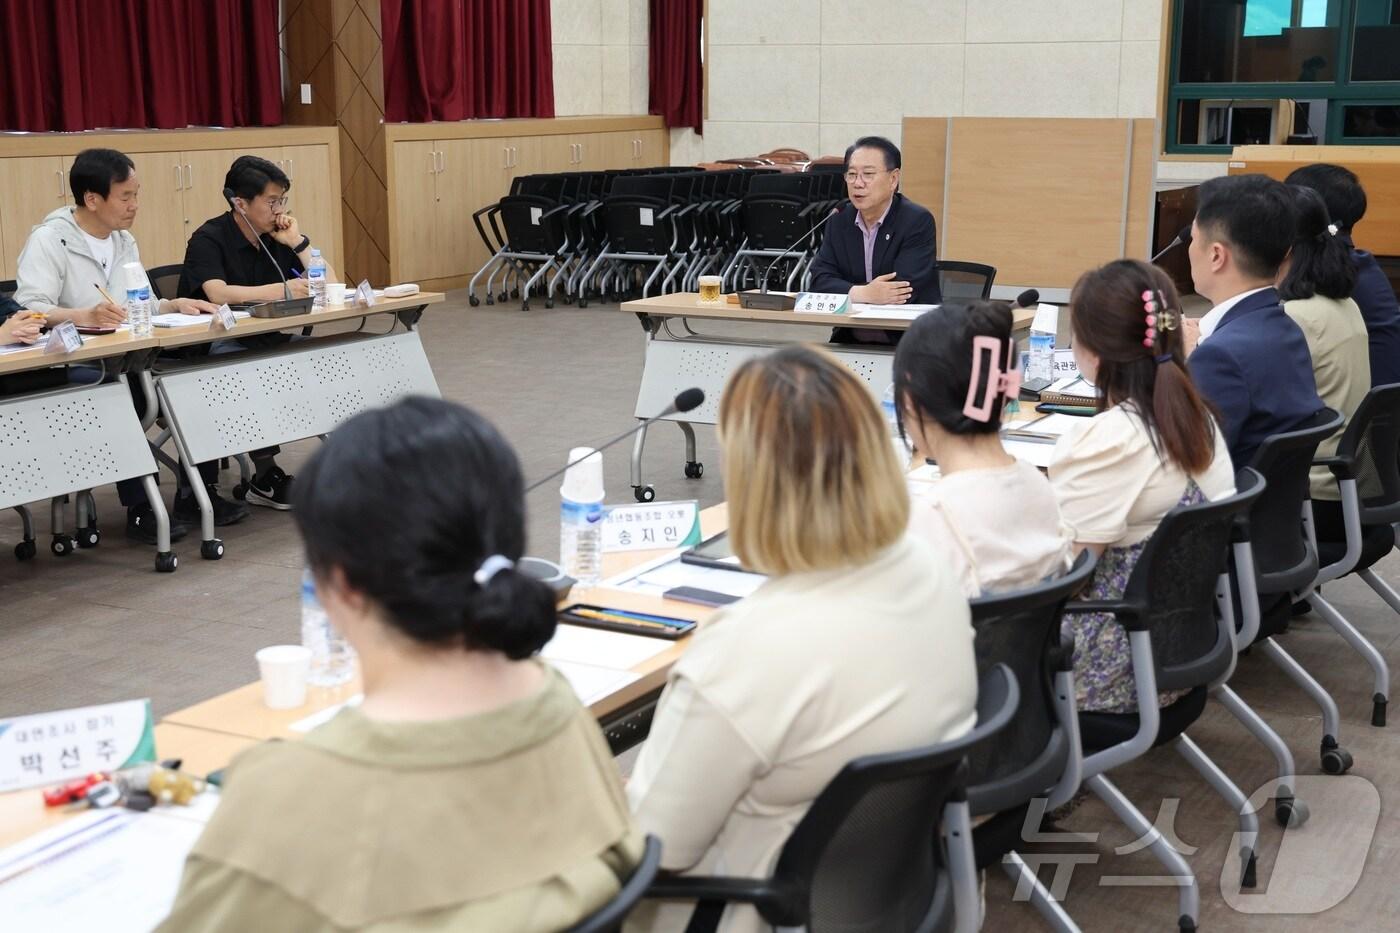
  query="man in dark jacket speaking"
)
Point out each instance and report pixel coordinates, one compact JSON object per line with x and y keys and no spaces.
{"x":882,"y":248}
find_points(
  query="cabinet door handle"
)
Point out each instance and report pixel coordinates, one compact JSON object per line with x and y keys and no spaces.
{"x":59,"y":173}
{"x":514,"y":156}
{"x":290,"y":172}
{"x":177,"y":176}
{"x":189,"y":176}
{"x":442,"y":160}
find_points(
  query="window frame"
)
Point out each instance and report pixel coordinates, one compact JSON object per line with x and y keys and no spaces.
{"x":1338,"y":93}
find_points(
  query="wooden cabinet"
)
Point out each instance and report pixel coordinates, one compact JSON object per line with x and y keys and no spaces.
{"x":414,"y":181}
{"x":160,"y":219}
{"x":182,"y":179}
{"x":312,"y":200}
{"x":30,"y":189}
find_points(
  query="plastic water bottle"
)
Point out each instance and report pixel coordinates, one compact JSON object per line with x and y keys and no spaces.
{"x":316,"y":279}
{"x":581,"y":517}
{"x":1040,"y":362}
{"x":332,"y":658}
{"x":138,"y":311}
{"x":903,"y":449}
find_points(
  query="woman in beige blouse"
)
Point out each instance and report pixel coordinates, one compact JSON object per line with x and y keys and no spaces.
{"x":1153,"y":445}
{"x":993,"y":518}
{"x":470,"y":790}
{"x":860,"y":642}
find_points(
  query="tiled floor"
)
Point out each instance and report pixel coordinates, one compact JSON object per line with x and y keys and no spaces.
{"x":100,"y":625}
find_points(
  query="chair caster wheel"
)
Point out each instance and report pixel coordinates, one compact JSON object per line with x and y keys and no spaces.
{"x":514,"y":293}
{"x":1336,"y":760}
{"x":63,"y":545}
{"x":490,"y":300}
{"x":240,"y":491}
{"x":694,"y":469}
{"x":503,"y":297}
{"x":166,"y":562}
{"x":1378,"y":710}
{"x":26,"y":550}
{"x":212,"y":549}
{"x":473,"y":300}
{"x":583,"y":302}
{"x":644,"y":493}
{"x":1186,"y":924}
{"x":89,"y":536}
{"x":549,"y":302}
{"x":524,"y":306}
{"x":1290,"y":813}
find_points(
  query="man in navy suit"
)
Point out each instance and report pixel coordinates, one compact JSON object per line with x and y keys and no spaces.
{"x":1251,"y":361}
{"x":882,"y":248}
{"x":1341,"y":191}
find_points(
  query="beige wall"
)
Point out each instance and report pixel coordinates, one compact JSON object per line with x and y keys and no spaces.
{"x":600,"y":56}
{"x":815,"y":74}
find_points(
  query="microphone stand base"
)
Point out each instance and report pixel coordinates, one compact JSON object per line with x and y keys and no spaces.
{"x":283,"y":307}
{"x":767,"y":301}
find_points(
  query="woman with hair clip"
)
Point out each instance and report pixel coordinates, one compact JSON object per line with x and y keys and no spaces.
{"x":470,"y":790}
{"x":1315,"y":283}
{"x":1153,"y":445}
{"x":993,"y":517}
{"x":860,"y":642}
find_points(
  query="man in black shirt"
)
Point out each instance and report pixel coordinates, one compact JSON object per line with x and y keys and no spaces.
{"x":225,"y":264}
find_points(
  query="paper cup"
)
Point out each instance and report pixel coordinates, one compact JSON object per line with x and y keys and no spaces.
{"x":583,"y":482}
{"x":335,"y":293}
{"x":283,"y":669}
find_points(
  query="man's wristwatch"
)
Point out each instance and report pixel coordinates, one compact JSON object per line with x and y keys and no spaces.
{"x":300,"y":247}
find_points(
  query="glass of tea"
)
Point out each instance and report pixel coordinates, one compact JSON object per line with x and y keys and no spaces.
{"x":709,"y":289}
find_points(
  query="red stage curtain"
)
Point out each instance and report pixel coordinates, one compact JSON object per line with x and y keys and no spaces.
{"x":676,"y":74}
{"x":459,"y":59}
{"x":90,"y":64}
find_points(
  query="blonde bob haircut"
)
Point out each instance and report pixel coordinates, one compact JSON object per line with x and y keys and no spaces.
{"x":809,"y":470}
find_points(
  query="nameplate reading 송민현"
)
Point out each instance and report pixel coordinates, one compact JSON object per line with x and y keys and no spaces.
{"x":364,"y":293}
{"x":651,"y":526}
{"x":63,"y":339}
{"x":49,"y":748}
{"x":822,"y":303}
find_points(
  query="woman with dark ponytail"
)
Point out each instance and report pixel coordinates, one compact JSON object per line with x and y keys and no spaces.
{"x":992,"y":517}
{"x":1316,"y":282}
{"x":1153,"y":445}
{"x":470,"y":790}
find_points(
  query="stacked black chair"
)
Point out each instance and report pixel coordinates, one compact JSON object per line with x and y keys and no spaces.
{"x":1034,"y":763}
{"x":1177,"y":611}
{"x":863,"y":857}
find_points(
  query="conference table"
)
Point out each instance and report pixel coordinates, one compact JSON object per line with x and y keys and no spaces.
{"x":678,"y":356}
{"x":78,"y":436}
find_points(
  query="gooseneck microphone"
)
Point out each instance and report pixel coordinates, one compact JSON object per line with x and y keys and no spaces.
{"x":686,"y":400}
{"x":1183,"y":238}
{"x":760,"y":299}
{"x":286,"y":289}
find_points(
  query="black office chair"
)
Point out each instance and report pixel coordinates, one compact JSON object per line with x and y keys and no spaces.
{"x":8,"y":287}
{"x":1367,"y":475}
{"x":1286,"y":562}
{"x":863,"y":857}
{"x":1034,"y":763}
{"x":165,"y":280}
{"x":965,"y":281}
{"x":1177,"y":611}
{"x":609,"y":917}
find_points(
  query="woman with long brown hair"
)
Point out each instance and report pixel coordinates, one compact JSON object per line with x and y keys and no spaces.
{"x":1154,"y":444}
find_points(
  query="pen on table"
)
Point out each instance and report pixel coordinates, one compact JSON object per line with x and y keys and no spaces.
{"x":648,"y":617}
{"x":618,"y":619}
